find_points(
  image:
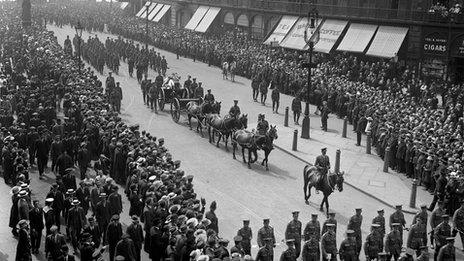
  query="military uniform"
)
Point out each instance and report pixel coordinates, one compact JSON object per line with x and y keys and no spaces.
{"x":266,"y":232}
{"x":265,"y":253}
{"x":328,"y":221}
{"x":441,"y":232}
{"x":311,"y":250}
{"x":322,"y":163}
{"x":262,"y":127}
{"x":348,"y":250}
{"x":246,"y":234}
{"x":458,"y":221}
{"x":293,"y":231}
{"x":435,"y":220}
{"x":288,"y":255}
{"x":373,"y":245}
{"x":312,"y":230}
{"x":393,"y":244}
{"x":381,"y":221}
{"x":417,"y":237}
{"x":447,"y":253}
{"x":209,"y":98}
{"x":329,"y":246}
{"x":234,"y":111}
{"x":355,"y":225}
{"x":398,"y":217}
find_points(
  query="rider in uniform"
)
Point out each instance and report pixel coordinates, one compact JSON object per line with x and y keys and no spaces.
{"x":234,"y":111}
{"x":209,"y":97}
{"x":322,"y":164}
{"x":263,"y":125}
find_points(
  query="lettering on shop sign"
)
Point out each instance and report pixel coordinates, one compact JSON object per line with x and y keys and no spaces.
{"x":435,"y":44}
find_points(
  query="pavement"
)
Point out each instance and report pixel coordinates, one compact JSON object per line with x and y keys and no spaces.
{"x":240,"y":192}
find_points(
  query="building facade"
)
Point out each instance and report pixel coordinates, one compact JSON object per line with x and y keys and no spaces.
{"x":434,"y":42}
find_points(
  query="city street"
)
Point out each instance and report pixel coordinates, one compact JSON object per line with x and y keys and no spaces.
{"x":241,"y":193}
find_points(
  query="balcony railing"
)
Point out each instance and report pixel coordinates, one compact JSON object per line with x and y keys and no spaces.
{"x":332,"y":10}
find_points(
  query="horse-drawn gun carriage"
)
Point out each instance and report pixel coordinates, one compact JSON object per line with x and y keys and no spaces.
{"x":171,"y":90}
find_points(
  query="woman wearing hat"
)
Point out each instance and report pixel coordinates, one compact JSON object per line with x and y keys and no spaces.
{"x":23,"y":249}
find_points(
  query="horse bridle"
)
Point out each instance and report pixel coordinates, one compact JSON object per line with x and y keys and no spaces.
{"x":328,"y":182}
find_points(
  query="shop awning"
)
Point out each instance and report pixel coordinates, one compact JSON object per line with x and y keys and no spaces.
{"x":197,"y":17}
{"x":387,"y":41}
{"x":124,"y":5}
{"x":161,"y":13}
{"x":207,"y":19}
{"x":151,"y":9}
{"x":281,"y":30}
{"x":329,"y":33}
{"x":357,"y":38}
{"x":155,"y":12}
{"x":295,"y":38}
{"x":143,"y":9}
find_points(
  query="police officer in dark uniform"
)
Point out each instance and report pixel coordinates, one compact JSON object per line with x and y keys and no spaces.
{"x":246,"y":234}
{"x":293,"y":231}
{"x":209,"y":97}
{"x":234,"y":111}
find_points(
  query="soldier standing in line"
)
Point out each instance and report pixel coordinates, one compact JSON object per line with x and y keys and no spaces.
{"x":349,"y":247}
{"x":246,"y":233}
{"x":330,"y":220}
{"x":266,"y":252}
{"x":458,"y":221}
{"x":329,"y":244}
{"x":355,"y":225}
{"x":441,"y":233}
{"x":293,"y":231}
{"x":311,"y":250}
{"x":380,"y":219}
{"x":313,"y":229}
{"x":289,"y":254}
{"x":394,"y":242}
{"x":398,"y":217}
{"x":436,"y":219}
{"x":417,"y":236}
{"x":374,"y":243}
{"x":266,"y":232}
{"x":448,"y":252}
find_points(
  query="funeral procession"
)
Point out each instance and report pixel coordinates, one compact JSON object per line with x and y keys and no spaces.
{"x":232,"y":130}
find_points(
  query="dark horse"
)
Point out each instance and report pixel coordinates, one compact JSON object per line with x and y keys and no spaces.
{"x":311,"y":176}
{"x":253,"y":142}
{"x":199,"y":112}
{"x":225,"y":126}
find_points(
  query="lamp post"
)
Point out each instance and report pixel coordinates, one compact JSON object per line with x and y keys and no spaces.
{"x":311,"y":37}
{"x":146,"y":26}
{"x":79,"y":28}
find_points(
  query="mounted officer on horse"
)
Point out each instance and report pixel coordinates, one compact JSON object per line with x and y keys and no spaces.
{"x":318,"y":176}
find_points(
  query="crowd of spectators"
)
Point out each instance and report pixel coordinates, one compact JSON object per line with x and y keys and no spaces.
{"x":424,"y":138}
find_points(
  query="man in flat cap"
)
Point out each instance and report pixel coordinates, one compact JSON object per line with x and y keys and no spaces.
{"x":266,"y":232}
{"x":113,"y":235}
{"x":293,"y":231}
{"x":246,"y":233}
{"x":135,"y":232}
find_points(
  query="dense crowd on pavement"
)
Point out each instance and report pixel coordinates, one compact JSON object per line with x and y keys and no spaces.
{"x":52,"y":110}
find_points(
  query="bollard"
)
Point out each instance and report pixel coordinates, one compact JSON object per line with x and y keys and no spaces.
{"x":286,"y":117}
{"x":345,"y":125}
{"x":337,"y":161}
{"x":295,"y":140}
{"x":368,"y":143}
{"x":412,"y":201}
{"x":386,"y":159}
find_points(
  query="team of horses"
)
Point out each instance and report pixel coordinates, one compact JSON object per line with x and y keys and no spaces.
{"x":225,"y":128}
{"x":208,"y":115}
{"x":228,"y":68}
